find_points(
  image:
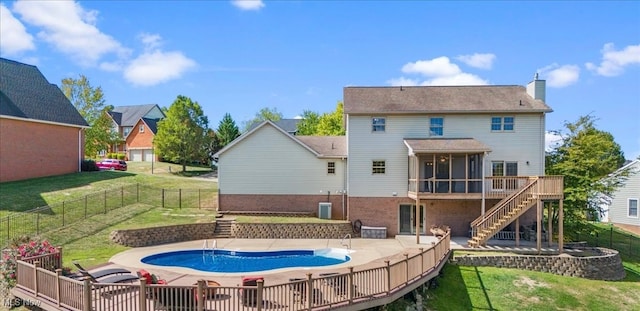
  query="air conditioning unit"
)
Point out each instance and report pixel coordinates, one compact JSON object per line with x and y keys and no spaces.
{"x":324,"y":210}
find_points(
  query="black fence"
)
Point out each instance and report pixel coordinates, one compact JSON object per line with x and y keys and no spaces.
{"x":47,"y":218}
{"x":626,"y":244}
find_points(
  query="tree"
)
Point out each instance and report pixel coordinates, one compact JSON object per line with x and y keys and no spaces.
{"x":308,"y":125}
{"x":89,"y":101}
{"x":181,"y":136}
{"x":586,"y":158}
{"x":331,"y":124}
{"x":271,"y":114}
{"x":227,"y":131}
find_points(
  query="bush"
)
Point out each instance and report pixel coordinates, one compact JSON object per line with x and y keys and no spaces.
{"x":120,"y":156}
{"x":8,"y":264}
{"x":88,"y":166}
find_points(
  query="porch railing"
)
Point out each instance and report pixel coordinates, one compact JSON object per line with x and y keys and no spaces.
{"x":323,"y":291}
{"x":495,"y":187}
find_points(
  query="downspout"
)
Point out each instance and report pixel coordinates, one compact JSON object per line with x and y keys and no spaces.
{"x":344,"y":178}
{"x":483,"y":183}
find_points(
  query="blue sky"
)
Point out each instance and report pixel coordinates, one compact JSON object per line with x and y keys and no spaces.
{"x":241,"y":56}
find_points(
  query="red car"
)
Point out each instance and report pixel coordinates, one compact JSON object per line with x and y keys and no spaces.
{"x":112,"y":164}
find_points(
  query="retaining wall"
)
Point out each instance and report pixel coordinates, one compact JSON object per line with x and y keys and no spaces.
{"x":605,"y":265}
{"x":180,"y":233}
{"x":163,"y":235}
{"x":291,"y":230}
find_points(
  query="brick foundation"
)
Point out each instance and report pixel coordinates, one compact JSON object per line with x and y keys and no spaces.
{"x":606,"y":265}
{"x":281,"y":203}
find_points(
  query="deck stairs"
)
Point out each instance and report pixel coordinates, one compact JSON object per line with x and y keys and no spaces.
{"x":502,"y":214}
{"x":223,"y":228}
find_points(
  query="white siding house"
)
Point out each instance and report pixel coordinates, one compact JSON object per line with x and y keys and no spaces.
{"x":270,"y":169}
{"x":624,"y":209}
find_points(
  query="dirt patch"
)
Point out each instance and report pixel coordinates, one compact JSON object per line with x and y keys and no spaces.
{"x":525,"y":281}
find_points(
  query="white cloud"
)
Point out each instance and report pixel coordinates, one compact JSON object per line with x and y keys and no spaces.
{"x":248,"y":5}
{"x":613,"y":62}
{"x":151,"y":68}
{"x":150,"y":41}
{"x":70,"y":29}
{"x":15,"y":38}
{"x":402,"y":81}
{"x":440,"y":71}
{"x":482,"y":61}
{"x":560,"y":76}
{"x":440,"y":66}
{"x":552,"y":140}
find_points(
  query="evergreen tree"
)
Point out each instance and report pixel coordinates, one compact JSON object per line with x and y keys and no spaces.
{"x":227,"y":131}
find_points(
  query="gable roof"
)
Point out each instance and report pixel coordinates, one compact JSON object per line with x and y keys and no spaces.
{"x":26,"y":94}
{"x":320,"y":146}
{"x":440,"y":99}
{"x":130,"y":115}
{"x":152,"y":124}
{"x":289,"y":125}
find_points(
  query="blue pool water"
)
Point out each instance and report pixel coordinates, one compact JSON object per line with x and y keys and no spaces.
{"x":220,"y":260}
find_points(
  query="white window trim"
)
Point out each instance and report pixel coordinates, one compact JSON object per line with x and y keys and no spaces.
{"x":141,"y":128}
{"x":502,"y":130}
{"x":384,"y":129}
{"x":331,"y":167}
{"x":372,"y":167}
{"x":637,"y":207}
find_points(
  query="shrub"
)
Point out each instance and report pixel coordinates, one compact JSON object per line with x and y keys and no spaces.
{"x":8,"y":264}
{"x":88,"y":165}
{"x":121,"y":156}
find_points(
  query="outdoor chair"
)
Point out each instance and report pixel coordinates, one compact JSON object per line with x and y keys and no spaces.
{"x":100,"y":273}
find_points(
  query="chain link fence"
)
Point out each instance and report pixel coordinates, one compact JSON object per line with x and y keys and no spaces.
{"x":54,"y":216}
{"x":626,"y":244}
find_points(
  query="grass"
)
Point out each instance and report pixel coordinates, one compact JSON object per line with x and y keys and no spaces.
{"x":28,"y":194}
{"x":489,"y":288}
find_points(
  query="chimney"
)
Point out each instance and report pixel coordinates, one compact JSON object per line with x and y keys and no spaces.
{"x":537,"y":88}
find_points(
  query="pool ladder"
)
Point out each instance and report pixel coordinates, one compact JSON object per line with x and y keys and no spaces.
{"x":205,"y":246}
{"x":343,"y":242}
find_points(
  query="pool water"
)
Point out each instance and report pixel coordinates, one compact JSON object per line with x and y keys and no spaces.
{"x":220,"y":260}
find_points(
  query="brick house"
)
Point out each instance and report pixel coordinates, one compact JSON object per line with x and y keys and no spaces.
{"x":138,"y":126}
{"x":417,"y":157}
{"x":41,"y":132}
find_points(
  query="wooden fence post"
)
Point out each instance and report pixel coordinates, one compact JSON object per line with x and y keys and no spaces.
{"x":388,"y":268}
{"x":59,"y":258}
{"x":200,"y":295}
{"x":260,"y":283}
{"x":309,"y":291}
{"x":142,"y":301}
{"x":36,"y":265}
{"x":86,"y":294}
{"x":406,"y":267}
{"x":58,"y":274}
{"x":351,"y":285}
{"x":421,"y":260}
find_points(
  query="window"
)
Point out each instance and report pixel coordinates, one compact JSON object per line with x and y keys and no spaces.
{"x":141,"y":129}
{"x":331,"y":167}
{"x":502,"y":124}
{"x":378,"y":167}
{"x":125,"y":131}
{"x":436,"y":126}
{"x":632,"y":208}
{"x":378,"y":124}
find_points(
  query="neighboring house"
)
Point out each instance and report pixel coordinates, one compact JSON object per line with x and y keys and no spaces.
{"x":288,"y":125}
{"x":623,"y":210}
{"x":41,"y":132}
{"x":268,"y":169}
{"x":454,"y":151}
{"x":138,"y":126}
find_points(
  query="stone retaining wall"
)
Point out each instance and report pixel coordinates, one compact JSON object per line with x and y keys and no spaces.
{"x":163,"y":235}
{"x":606,"y":265}
{"x":291,"y":230}
{"x":190,"y":232}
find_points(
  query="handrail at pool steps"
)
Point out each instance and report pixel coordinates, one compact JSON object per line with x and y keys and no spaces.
{"x":346,"y":289}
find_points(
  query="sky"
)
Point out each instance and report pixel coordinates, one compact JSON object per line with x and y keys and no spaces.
{"x":238,"y":57}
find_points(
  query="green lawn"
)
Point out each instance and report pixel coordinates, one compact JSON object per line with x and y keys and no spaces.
{"x":461,"y":288}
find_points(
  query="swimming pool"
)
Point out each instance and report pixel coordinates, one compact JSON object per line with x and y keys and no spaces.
{"x":221,"y":260}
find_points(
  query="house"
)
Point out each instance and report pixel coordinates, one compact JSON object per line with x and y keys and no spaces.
{"x":269,"y":169}
{"x":455,"y":152}
{"x":41,"y":132}
{"x":138,"y":126}
{"x":622,"y":207}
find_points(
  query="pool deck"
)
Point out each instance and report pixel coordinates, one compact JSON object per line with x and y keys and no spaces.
{"x":365,"y":254}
